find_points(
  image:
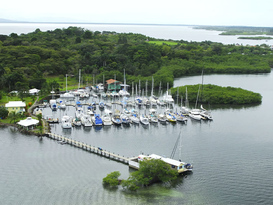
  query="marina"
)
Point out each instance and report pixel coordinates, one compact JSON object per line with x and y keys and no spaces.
{"x":224,"y":151}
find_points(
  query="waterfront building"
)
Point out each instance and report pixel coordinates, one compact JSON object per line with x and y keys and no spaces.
{"x":16,"y":106}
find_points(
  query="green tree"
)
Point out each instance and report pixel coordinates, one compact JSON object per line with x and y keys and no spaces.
{"x":13,"y":116}
{"x":150,"y":171}
{"x":3,"y":112}
{"x":112,"y":179}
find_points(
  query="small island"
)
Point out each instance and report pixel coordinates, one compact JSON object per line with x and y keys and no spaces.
{"x":214,"y":94}
{"x":255,"y":38}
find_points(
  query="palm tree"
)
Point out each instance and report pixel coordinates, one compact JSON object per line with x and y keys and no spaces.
{"x":13,"y":116}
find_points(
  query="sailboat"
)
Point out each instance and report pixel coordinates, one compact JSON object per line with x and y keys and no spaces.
{"x":66,"y":94}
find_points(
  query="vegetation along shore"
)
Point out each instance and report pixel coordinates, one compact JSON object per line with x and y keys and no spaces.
{"x":43,"y":60}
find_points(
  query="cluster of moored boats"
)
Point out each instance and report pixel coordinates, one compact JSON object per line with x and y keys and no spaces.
{"x":128,"y":114}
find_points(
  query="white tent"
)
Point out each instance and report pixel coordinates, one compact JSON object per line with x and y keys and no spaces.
{"x":28,"y":123}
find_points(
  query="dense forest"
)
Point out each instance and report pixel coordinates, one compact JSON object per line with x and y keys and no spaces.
{"x":30,"y":60}
{"x":213,"y":94}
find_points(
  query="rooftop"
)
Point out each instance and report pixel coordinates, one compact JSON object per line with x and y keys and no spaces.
{"x":15,"y":104}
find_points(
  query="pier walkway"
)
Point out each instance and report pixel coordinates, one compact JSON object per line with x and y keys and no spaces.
{"x":89,"y":148}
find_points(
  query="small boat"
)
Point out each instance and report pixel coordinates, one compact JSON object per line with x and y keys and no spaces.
{"x":62,"y":105}
{"x":101,"y":105}
{"x":116,"y":118}
{"x":162,"y":118}
{"x":180,"y":117}
{"x":90,"y":110}
{"x":139,"y":101}
{"x":170,"y":116}
{"x":106,"y":120}
{"x":144,"y":120}
{"x":76,"y":122}
{"x":153,"y":116}
{"x":134,"y":118}
{"x":96,"y":119}
{"x":67,"y":95}
{"x":125,"y":119}
{"x":53,"y":105}
{"x":195,"y":114}
{"x":178,"y":165}
{"x":205,"y":113}
{"x":123,"y":93}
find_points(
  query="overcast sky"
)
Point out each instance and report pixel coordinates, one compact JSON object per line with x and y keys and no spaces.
{"x":194,"y":12}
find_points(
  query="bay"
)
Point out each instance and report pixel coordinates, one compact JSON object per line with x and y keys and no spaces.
{"x":175,"y":32}
{"x":231,"y":156}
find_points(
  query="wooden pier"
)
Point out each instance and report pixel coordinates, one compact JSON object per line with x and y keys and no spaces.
{"x":89,"y":148}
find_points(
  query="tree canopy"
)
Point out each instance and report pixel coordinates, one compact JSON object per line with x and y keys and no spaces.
{"x":31,"y":58}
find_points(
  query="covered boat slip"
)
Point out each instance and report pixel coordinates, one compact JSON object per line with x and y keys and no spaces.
{"x":175,"y":164}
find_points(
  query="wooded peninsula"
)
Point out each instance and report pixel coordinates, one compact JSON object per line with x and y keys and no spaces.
{"x":34,"y":60}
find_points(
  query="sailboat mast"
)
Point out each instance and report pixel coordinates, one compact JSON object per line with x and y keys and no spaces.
{"x":146,"y":88}
{"x":124,"y":80}
{"x":152,"y":91}
{"x":66,"y":83}
{"x":79,"y":78}
{"x":139,"y":87}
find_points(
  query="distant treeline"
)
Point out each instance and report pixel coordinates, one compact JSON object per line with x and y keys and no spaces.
{"x":29,"y":60}
{"x":213,"y":94}
{"x":239,"y":30}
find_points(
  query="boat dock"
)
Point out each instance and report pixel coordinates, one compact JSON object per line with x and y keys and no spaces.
{"x":89,"y":148}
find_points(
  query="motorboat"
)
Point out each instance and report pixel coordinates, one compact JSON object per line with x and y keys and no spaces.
{"x":66,"y":122}
{"x":86,"y":120}
{"x":123,"y":93}
{"x":134,"y":118}
{"x":178,"y":165}
{"x":153,"y":116}
{"x":180,"y":117}
{"x":116,"y":118}
{"x":67,"y":95}
{"x":195,"y":114}
{"x":76,"y":122}
{"x":139,"y":101}
{"x":162,"y":118}
{"x":101,"y":105}
{"x":106,"y":120}
{"x":125,"y":119}
{"x":144,"y":120}
{"x":90,"y":110}
{"x":205,"y":113}
{"x":62,"y":105}
{"x":96,"y":119}
{"x":53,"y":105}
{"x":170,"y":116}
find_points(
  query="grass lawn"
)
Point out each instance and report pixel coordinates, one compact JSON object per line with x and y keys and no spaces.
{"x":6,"y":99}
{"x":72,"y":82}
{"x":170,"y":43}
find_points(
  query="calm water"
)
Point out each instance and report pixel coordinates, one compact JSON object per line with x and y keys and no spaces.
{"x":186,"y":33}
{"x":231,"y":157}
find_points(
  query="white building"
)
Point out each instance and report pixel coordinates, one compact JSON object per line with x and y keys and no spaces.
{"x":16,"y":106}
{"x":28,"y":123}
